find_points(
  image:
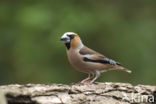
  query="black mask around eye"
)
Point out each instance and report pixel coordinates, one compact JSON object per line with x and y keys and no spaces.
{"x":71,"y":36}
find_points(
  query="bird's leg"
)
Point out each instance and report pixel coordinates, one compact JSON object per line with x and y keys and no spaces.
{"x":97,"y":75}
{"x":92,"y":75}
{"x":87,"y":79}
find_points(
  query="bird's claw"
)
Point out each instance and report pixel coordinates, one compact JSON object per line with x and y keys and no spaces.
{"x":88,"y":82}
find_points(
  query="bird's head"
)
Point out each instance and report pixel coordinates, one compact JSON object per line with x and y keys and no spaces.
{"x":71,"y":40}
{"x":67,"y":37}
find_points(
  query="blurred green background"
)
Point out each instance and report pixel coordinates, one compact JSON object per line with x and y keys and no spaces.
{"x":31,"y":52}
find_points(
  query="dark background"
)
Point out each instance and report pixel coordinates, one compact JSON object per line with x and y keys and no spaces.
{"x":30,"y":50}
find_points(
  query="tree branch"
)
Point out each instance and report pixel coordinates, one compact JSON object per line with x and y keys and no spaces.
{"x":98,"y":93}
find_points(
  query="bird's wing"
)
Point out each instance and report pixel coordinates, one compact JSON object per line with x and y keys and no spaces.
{"x":90,"y":55}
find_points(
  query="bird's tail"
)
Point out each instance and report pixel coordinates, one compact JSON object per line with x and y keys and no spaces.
{"x":125,"y":69}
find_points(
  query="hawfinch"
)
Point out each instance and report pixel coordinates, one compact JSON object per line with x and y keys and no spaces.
{"x":87,"y":60}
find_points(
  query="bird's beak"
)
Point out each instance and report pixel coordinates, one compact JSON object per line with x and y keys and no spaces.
{"x":63,"y":39}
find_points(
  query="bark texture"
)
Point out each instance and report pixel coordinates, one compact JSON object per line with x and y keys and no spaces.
{"x":98,"y":93}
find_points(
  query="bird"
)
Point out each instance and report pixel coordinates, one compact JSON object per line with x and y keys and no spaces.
{"x":87,"y":60}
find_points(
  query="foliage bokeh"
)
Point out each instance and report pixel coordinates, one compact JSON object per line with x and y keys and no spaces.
{"x":30,"y":50}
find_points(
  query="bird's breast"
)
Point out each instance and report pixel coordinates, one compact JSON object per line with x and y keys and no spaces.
{"x":74,"y":58}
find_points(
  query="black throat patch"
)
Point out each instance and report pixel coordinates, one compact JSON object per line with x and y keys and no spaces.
{"x":67,"y":45}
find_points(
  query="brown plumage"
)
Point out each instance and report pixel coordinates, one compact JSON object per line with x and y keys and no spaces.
{"x":87,"y":60}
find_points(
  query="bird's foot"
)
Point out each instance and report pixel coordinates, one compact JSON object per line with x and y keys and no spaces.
{"x":85,"y":80}
{"x":88,"y":82}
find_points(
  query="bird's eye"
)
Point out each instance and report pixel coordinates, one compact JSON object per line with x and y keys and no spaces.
{"x":71,"y":36}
